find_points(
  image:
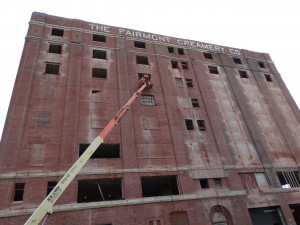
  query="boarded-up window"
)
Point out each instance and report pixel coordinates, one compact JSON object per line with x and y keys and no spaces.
{"x":179,"y":218}
{"x":219,"y":218}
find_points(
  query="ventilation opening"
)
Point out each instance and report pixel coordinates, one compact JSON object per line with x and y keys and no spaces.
{"x":237,"y":60}
{"x":52,"y":68}
{"x":201,"y":125}
{"x":268,"y":77}
{"x":195,"y":102}
{"x":184,"y":65}
{"x":50,"y":186}
{"x":243,"y":74}
{"x":103,"y":151}
{"x":99,"y":54}
{"x":57,"y":32}
{"x":180,"y":51}
{"x":97,"y":190}
{"x":19,"y":191}
{"x":139,"y":44}
{"x":159,"y":186}
{"x":99,"y":38}
{"x":174,"y":64}
{"x":55,"y":49}
{"x":204,"y":183}
{"x":99,"y":73}
{"x":261,"y":64}
{"x":189,"y":124}
{"x":170,"y":49}
{"x":213,"y":69}
{"x":189,"y":82}
{"x":207,"y":55}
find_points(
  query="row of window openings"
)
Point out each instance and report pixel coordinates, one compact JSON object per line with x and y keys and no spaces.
{"x":190,"y":124}
{"x":107,"y":189}
{"x":140,"y":44}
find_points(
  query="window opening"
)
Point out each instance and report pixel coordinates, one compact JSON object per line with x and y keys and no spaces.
{"x":57,"y":32}
{"x":178,"y":81}
{"x":189,"y":124}
{"x":201,"y":125}
{"x":99,"y":73}
{"x":139,"y":44}
{"x":159,"y":186}
{"x":289,"y":179}
{"x":56,"y":49}
{"x":174,"y":64}
{"x":142,"y":60}
{"x":218,"y":218}
{"x":189,"y":82}
{"x":261,"y":64}
{"x":237,"y":60}
{"x":171,"y":49}
{"x":218,"y":183}
{"x":179,"y":218}
{"x":207,"y":55}
{"x":268,"y":77}
{"x":180,"y":51}
{"x":204,"y":183}
{"x":96,"y":190}
{"x":99,"y":38}
{"x":19,"y":191}
{"x":195,"y":102}
{"x":147,"y":100}
{"x":103,"y":151}
{"x":184,"y":65}
{"x":99,"y":54}
{"x":213,"y":69}
{"x":50,"y":186}
{"x":52,"y":68}
{"x":243,"y":74}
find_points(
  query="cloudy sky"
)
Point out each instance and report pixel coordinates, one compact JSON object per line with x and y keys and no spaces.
{"x":258,"y":25}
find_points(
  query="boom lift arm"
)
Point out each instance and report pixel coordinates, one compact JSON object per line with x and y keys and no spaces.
{"x":46,"y":207}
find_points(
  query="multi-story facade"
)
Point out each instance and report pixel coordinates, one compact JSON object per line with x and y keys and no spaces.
{"x":215,"y":141}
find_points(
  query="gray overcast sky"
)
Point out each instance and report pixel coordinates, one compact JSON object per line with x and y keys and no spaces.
{"x":271,"y":26}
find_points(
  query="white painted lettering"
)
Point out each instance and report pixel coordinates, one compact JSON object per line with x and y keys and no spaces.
{"x":138,"y":34}
{"x":222,"y":49}
{"x":186,"y":43}
{"x":154,"y":37}
{"x":161,"y":38}
{"x":106,"y":29}
{"x":234,"y":51}
{"x":121,"y":31}
{"x":179,"y":42}
{"x":192,"y":43}
{"x":128,"y":33}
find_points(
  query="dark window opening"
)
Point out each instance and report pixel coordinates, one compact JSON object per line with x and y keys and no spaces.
{"x":99,"y":54}
{"x":180,"y":51}
{"x":189,"y":82}
{"x":237,"y":60}
{"x":171,"y":49}
{"x":178,"y":81}
{"x":261,"y":64}
{"x":147,"y":100}
{"x":204,"y":183}
{"x":195,"y":102}
{"x":52,"y":68}
{"x":139,"y":44}
{"x":201,"y":125}
{"x":19,"y":191}
{"x":95,"y":91}
{"x":184,"y":65}
{"x":213,"y":69}
{"x":207,"y":55}
{"x":289,"y":179}
{"x":218,"y":183}
{"x":103,"y":151}
{"x":51,"y":185}
{"x":99,"y":73}
{"x":189,"y":124}
{"x":243,"y":74}
{"x":174,"y":64}
{"x":159,"y":186}
{"x":142,"y":60}
{"x":268,"y":77}
{"x":97,"y":190}
{"x":57,"y":32}
{"x":99,"y":38}
{"x":55,"y":49}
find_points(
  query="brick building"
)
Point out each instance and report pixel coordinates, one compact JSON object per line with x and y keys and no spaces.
{"x":215,"y":141}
